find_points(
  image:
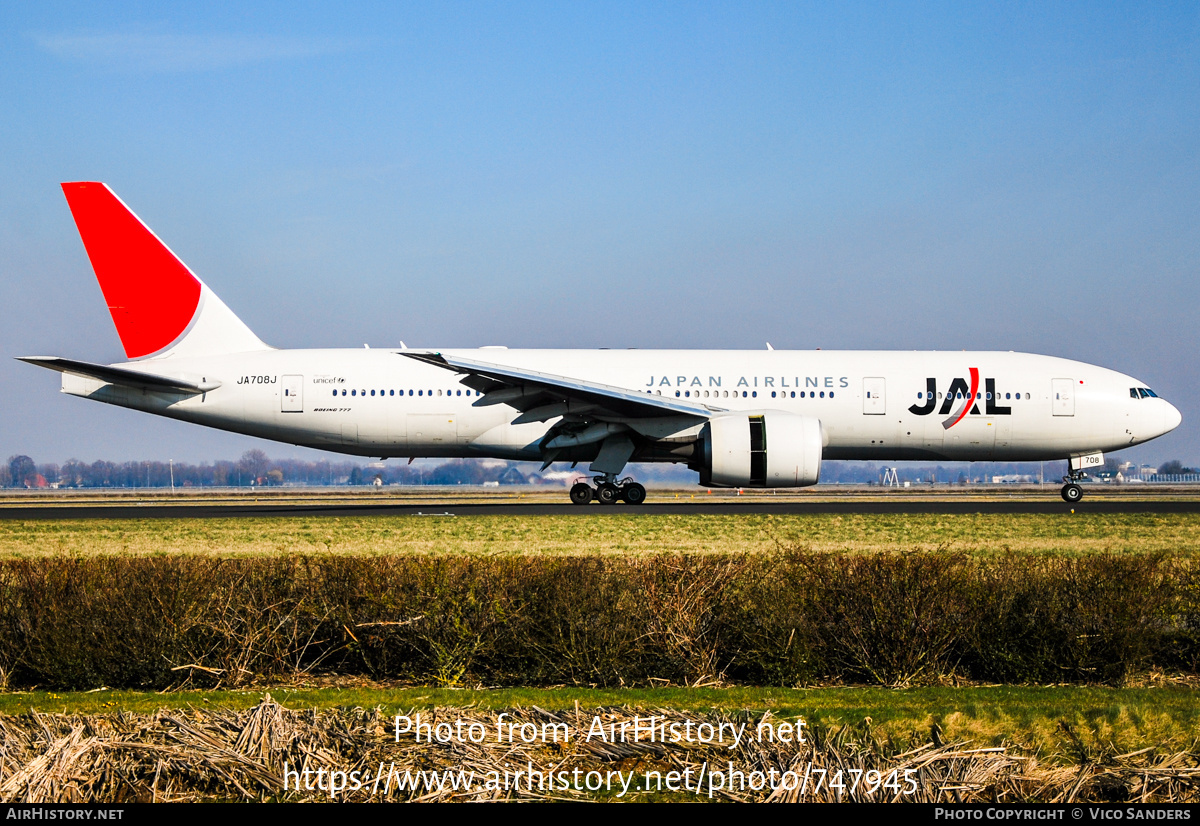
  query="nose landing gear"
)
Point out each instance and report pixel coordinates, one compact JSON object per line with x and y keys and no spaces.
{"x":608,"y":491}
{"x":1071,"y":492}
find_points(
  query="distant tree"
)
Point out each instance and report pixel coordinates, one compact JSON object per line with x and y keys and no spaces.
{"x":21,"y":469}
{"x":71,"y":473}
{"x":1174,"y":467}
{"x":223,"y":473}
{"x":254,"y":464}
{"x":99,"y":474}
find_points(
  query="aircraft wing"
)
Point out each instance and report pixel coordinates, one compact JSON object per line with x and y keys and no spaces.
{"x":530,"y":390}
{"x":121,"y":375}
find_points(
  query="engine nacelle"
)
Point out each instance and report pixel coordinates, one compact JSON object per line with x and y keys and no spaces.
{"x":760,"y":450}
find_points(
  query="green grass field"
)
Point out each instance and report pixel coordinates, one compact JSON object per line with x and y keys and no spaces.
{"x":616,"y":533}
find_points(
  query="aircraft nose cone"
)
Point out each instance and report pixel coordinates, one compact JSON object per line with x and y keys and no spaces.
{"x":1171,"y":418}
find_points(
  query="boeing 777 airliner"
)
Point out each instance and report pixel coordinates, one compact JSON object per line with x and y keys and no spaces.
{"x":740,"y":418}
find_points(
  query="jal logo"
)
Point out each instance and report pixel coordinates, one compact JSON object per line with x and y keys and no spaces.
{"x":961,"y":399}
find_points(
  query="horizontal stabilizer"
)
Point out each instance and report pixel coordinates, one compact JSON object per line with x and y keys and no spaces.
{"x":121,"y":375}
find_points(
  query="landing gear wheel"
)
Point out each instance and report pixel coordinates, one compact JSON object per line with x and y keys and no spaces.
{"x":1072,"y":493}
{"x":633,"y":493}
{"x":581,"y":493}
{"x":607,"y":494}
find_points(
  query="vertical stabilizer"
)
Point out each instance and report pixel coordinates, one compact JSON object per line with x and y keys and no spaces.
{"x":159,"y":306}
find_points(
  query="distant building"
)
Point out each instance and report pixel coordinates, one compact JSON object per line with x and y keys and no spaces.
{"x":512,"y":476}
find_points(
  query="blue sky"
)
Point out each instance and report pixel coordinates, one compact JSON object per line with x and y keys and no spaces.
{"x":994,"y":176}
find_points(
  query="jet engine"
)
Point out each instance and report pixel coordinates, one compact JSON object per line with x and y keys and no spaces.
{"x":759,"y":450}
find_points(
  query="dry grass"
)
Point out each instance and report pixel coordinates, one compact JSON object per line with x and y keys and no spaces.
{"x":186,"y":755}
{"x":1177,"y":535}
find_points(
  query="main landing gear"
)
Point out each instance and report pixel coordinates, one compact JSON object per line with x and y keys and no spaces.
{"x":1071,"y":492}
{"x":608,"y":491}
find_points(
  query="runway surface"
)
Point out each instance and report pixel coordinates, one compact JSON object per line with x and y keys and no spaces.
{"x":432,"y":507}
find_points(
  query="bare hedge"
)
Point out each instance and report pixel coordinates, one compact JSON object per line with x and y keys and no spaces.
{"x":789,"y":618}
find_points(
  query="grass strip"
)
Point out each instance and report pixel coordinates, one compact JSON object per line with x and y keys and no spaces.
{"x":607,"y":533}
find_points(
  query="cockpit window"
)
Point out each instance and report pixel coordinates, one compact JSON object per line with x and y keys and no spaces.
{"x":1133,"y":394}
{"x":1142,"y":393}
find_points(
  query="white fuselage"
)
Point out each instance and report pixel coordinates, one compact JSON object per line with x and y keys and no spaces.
{"x":871,"y":404}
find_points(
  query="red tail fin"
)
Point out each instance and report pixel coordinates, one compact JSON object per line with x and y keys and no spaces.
{"x":151,"y":294}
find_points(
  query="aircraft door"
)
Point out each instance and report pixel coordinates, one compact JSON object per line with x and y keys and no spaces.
{"x":292,"y":398}
{"x":1062,"y":396}
{"x":874,"y":397}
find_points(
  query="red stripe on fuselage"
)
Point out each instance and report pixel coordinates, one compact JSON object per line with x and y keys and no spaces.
{"x":151,"y":295}
{"x":970,"y":399}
